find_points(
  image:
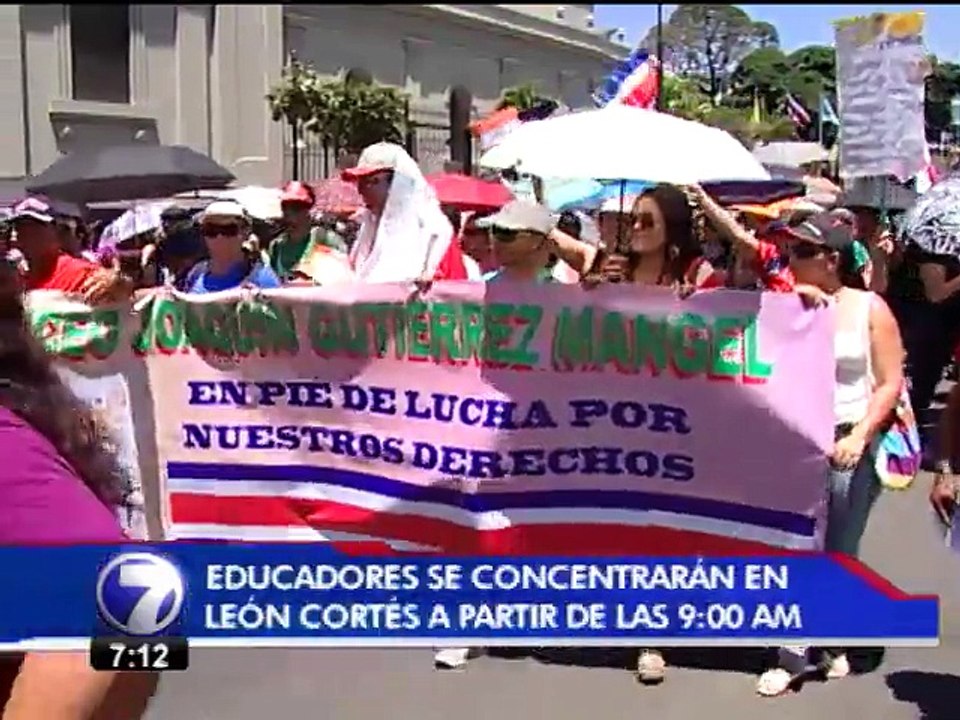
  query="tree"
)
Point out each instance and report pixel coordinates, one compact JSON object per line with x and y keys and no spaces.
{"x":349,"y":115}
{"x":813,"y":72}
{"x":943,"y":84}
{"x":709,"y":41}
{"x":684,"y":98}
{"x":761,"y":75}
{"x":522,"y":97}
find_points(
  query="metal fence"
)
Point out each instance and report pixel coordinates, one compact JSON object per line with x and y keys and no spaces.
{"x":307,"y":157}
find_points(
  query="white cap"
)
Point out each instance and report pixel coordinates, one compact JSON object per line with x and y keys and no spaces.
{"x":375,"y":158}
{"x":613,"y":205}
{"x":225,"y":209}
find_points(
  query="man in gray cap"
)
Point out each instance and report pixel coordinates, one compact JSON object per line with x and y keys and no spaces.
{"x":520,"y":246}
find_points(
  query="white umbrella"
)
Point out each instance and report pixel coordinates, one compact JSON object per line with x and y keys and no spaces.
{"x":791,"y":154}
{"x":620,"y":142}
{"x":139,"y":219}
{"x":262,"y":203}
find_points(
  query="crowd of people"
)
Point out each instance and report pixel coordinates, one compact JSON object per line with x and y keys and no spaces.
{"x":897,"y":316}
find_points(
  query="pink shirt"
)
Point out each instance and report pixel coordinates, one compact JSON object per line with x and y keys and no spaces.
{"x":42,"y":499}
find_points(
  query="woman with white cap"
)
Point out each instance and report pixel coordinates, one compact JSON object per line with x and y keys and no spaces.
{"x":225,"y":228}
{"x":404,"y":235}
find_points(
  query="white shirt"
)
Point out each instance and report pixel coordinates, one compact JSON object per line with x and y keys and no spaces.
{"x":851,"y":347}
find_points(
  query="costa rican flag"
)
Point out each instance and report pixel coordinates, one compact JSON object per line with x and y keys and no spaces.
{"x":494,"y":128}
{"x":797,"y":112}
{"x":263,"y":503}
{"x":634,"y":82}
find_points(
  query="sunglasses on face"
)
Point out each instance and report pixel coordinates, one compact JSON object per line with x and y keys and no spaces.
{"x":503,"y":235}
{"x":226,"y":230}
{"x":643,"y":221}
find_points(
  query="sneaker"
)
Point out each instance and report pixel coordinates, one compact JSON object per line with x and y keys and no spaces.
{"x":651,"y":667}
{"x":453,"y":658}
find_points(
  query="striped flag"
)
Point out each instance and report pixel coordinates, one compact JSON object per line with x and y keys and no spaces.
{"x":633,"y":82}
{"x":797,"y":112}
{"x":494,"y":128}
{"x":253,"y":502}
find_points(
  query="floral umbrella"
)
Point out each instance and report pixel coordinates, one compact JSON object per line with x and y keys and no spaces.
{"x":336,"y":196}
{"x":933,"y":223}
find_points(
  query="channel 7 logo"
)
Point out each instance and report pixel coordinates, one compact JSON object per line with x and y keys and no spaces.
{"x":139,"y":593}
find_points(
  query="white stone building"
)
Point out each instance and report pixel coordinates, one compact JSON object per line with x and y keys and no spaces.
{"x":77,"y":75}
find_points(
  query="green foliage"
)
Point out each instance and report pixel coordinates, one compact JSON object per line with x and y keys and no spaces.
{"x":347,"y":115}
{"x":522,"y":97}
{"x":943,"y":84}
{"x":709,"y":41}
{"x":685,"y":98}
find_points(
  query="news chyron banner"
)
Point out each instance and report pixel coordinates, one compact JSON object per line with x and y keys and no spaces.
{"x":322,"y":594}
{"x":501,"y":421}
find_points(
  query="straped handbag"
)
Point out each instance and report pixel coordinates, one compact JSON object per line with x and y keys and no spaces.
{"x":898,"y":455}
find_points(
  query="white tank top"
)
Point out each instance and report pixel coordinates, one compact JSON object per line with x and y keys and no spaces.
{"x":851,"y":347}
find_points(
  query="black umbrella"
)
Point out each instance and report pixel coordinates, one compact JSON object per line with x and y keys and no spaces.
{"x":127,"y":172}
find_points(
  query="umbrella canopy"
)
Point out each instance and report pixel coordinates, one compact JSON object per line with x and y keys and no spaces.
{"x":336,"y":196}
{"x":784,"y":172}
{"x":590,"y":194}
{"x":933,"y":223}
{"x":262,"y":203}
{"x":620,"y":142}
{"x":122,"y":172}
{"x":469,"y":193}
{"x":135,"y":221}
{"x":791,"y":154}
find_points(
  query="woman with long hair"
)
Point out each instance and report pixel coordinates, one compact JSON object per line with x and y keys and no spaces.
{"x":868,"y":381}
{"x":662,"y":245}
{"x":59,"y":484}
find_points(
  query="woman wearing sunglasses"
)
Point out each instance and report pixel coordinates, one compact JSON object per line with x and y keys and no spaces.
{"x":661,"y":245}
{"x":869,"y":375}
{"x":224,"y":227}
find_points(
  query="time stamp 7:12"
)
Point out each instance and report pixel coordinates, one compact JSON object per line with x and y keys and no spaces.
{"x":130,"y":654}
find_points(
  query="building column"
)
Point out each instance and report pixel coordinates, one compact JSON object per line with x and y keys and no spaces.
{"x":13,"y":100}
{"x":245,"y":63}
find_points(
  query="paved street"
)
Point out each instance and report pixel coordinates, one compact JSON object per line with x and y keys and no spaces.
{"x":902,"y":544}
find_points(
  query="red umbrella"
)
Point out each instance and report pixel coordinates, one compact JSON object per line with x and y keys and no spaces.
{"x":337,"y":196}
{"x":469,"y":193}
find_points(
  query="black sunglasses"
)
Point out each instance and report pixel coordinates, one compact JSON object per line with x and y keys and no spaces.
{"x":226,"y":229}
{"x":503,"y":235}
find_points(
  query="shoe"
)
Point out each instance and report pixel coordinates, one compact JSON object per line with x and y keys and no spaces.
{"x":834,"y":667}
{"x":651,"y":667}
{"x":453,"y":658}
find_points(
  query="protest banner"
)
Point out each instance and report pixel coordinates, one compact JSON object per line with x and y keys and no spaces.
{"x":499,"y":419}
{"x":881,"y":68}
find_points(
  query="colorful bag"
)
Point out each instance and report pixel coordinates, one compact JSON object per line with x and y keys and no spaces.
{"x":898,"y":454}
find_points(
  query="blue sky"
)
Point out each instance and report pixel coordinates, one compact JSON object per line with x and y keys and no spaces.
{"x":800,"y":25}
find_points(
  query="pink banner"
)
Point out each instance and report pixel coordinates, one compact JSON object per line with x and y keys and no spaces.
{"x":486,"y":418}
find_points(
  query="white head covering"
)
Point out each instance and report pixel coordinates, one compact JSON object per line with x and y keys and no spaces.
{"x":412,"y":235}
{"x":614,"y":204}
